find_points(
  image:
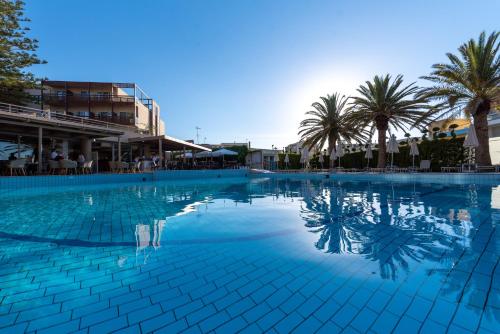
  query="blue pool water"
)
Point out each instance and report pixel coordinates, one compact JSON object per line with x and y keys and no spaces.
{"x":251,"y":255}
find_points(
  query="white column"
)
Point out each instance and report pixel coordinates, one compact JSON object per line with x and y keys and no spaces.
{"x":65,"y":148}
{"x":119,"y":149}
{"x":160,"y":151}
{"x":40,"y":150}
{"x":18,"y":147}
{"x":86,"y":148}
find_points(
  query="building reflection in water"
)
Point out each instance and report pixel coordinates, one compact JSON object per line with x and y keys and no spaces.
{"x":148,"y":239}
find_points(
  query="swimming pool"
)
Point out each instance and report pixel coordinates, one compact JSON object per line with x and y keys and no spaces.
{"x":253,"y":255}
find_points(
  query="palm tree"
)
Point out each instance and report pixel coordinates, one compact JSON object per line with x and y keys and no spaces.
{"x":469,"y":85}
{"x":329,"y":122}
{"x":383,"y":103}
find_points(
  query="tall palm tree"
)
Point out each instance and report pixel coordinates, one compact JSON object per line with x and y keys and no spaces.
{"x":469,"y":85}
{"x":383,"y":103}
{"x":329,"y":122}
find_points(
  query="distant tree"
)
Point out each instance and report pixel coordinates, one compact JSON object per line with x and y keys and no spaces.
{"x":329,"y":122}
{"x":470,"y":85}
{"x":17,"y":53}
{"x":383,"y":102}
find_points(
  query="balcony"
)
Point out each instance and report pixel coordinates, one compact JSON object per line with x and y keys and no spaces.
{"x":86,"y":98}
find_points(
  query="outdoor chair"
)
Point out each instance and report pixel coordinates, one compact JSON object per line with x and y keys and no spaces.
{"x":69,"y":165}
{"x":123,"y":167}
{"x":54,"y":166}
{"x":113,"y":166}
{"x":16,"y":166}
{"x":86,"y":168}
{"x":135,"y":166}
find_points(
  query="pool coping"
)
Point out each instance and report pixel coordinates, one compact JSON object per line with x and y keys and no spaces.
{"x":9,"y":183}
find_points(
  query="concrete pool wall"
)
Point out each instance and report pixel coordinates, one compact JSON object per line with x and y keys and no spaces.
{"x":11,"y":183}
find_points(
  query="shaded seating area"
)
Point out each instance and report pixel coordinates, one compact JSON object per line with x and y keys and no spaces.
{"x":37,"y":142}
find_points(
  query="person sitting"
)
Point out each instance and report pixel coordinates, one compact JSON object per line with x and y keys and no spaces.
{"x":59,"y":156}
{"x":53,"y":154}
{"x":12,"y":156}
{"x":80,"y":160}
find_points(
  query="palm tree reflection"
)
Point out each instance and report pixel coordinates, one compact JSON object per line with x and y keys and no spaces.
{"x":393,"y":226}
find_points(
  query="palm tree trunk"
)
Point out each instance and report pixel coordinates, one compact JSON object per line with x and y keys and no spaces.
{"x":332,"y":141}
{"x":382,"y":148}
{"x":483,"y":157}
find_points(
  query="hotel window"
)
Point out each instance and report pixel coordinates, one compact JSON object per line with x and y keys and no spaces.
{"x":103,"y":95}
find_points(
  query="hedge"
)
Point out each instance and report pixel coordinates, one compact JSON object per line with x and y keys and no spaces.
{"x":441,"y":151}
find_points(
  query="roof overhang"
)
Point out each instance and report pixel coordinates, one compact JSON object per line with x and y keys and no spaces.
{"x":10,"y":120}
{"x":169,"y":143}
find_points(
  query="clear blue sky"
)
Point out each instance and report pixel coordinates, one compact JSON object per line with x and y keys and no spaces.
{"x":248,"y":69}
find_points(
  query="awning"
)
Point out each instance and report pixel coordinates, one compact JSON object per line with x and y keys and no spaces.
{"x":26,"y":121}
{"x":168,"y":143}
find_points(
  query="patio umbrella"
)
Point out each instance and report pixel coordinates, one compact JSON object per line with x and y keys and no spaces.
{"x":392,"y":147}
{"x":222,"y":153}
{"x":413,"y":150}
{"x":286,"y":160}
{"x":304,"y":156}
{"x":340,"y":151}
{"x":187,"y":155}
{"x":369,"y":153}
{"x":333,"y":155}
{"x":204,"y":154}
{"x":321,"y":159}
{"x":471,"y":141}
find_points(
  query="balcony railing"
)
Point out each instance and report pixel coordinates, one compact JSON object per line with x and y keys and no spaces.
{"x":48,"y":98}
{"x":32,"y":112}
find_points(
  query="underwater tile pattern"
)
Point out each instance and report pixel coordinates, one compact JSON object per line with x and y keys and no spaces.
{"x":278,"y":255}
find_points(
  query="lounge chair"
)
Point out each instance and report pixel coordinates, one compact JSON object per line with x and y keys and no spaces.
{"x":16,"y":166}
{"x":485,"y":169}
{"x":425,"y":166}
{"x":450,"y":169}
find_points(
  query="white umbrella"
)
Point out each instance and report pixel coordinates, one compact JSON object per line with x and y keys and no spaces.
{"x":321,"y":159}
{"x":369,"y":153}
{"x":204,"y":154}
{"x":286,"y":160}
{"x":304,"y":156}
{"x":333,"y":155}
{"x":413,"y":150}
{"x":340,"y":151}
{"x":471,"y":141}
{"x":187,"y":155}
{"x":392,"y":147}
{"x":222,"y":152}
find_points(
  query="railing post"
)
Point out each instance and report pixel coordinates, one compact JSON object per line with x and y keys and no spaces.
{"x":10,"y":107}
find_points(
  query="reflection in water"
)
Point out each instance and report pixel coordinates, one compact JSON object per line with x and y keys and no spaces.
{"x":148,"y":239}
{"x":451,"y":231}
